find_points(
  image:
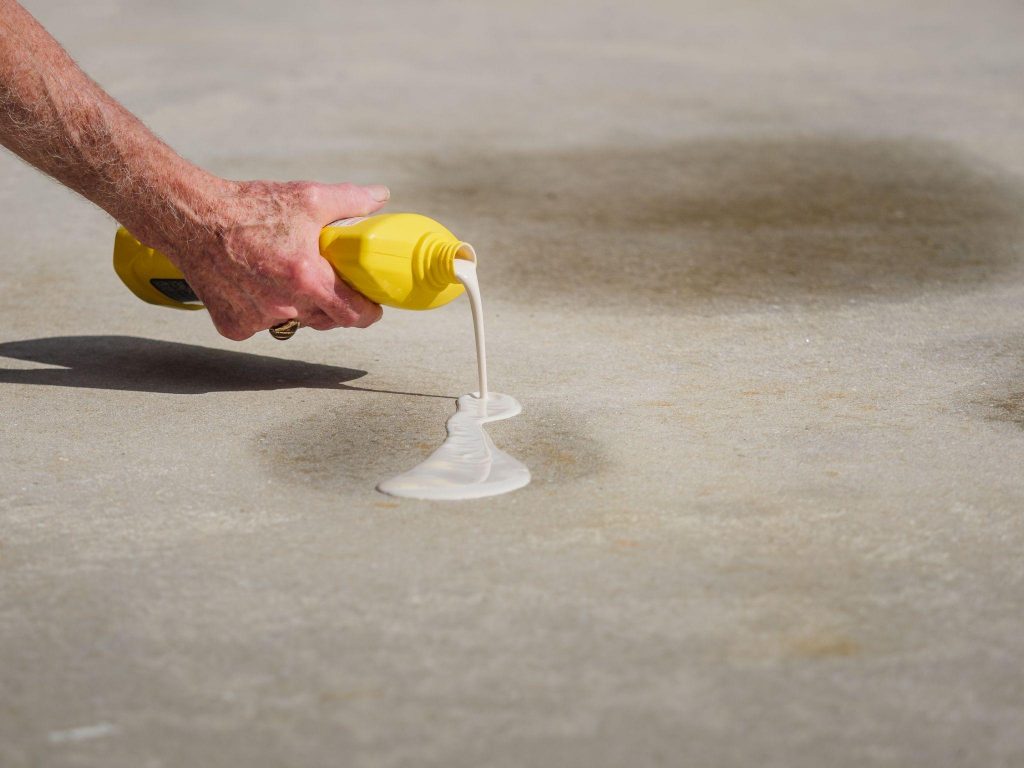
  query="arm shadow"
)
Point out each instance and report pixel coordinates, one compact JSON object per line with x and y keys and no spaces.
{"x":129,"y":363}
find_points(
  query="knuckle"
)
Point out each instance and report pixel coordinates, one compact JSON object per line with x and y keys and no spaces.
{"x":229,"y":326}
{"x":310,"y":194}
{"x":304,"y":273}
{"x":232,"y":331}
{"x":301,"y":276}
{"x":222,"y":322}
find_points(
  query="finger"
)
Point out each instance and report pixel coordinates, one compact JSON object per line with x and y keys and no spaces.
{"x":231,"y":330}
{"x":340,"y":201}
{"x":341,"y":300}
{"x":345,"y":306}
{"x":284,"y":311}
{"x":348,"y":309}
{"x":229,"y":321}
{"x":318,"y":320}
{"x":307,"y":313}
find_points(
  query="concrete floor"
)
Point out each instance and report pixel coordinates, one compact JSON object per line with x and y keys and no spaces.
{"x":754,"y":270}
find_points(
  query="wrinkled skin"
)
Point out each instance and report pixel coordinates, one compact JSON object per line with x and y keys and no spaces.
{"x":248,"y":249}
{"x":259,"y":264}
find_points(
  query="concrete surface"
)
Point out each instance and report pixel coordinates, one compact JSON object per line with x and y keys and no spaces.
{"x":755,"y":271}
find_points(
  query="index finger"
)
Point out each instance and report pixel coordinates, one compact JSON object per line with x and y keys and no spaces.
{"x":343,"y":304}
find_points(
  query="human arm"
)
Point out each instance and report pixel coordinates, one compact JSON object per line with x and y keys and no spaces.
{"x":248,"y":249}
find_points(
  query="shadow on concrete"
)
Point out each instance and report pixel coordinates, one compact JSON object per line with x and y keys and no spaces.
{"x":129,"y":363}
{"x":727,"y":221}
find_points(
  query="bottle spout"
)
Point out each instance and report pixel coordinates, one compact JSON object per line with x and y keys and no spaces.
{"x":434,"y":261}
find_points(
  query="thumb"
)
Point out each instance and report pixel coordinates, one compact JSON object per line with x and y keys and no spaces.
{"x":341,"y":201}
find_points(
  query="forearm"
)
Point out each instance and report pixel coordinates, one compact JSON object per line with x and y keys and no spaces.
{"x":57,"y":119}
{"x":249,"y":250}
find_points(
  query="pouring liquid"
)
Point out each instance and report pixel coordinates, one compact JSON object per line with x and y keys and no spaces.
{"x":466,"y":272}
{"x":467,"y":465}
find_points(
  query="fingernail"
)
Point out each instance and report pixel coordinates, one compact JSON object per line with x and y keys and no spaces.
{"x":379,"y":192}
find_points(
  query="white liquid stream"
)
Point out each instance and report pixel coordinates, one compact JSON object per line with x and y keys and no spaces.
{"x":466,"y":272}
{"x":467,"y":465}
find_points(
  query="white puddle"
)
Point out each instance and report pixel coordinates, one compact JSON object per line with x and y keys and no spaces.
{"x":467,"y":465}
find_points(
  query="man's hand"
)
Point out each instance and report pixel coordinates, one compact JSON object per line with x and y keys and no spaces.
{"x":248,"y":249}
{"x":257,"y":262}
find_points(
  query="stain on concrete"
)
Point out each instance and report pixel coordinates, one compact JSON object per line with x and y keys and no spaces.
{"x":370,"y":437}
{"x":717,"y":222}
{"x":1007,"y":408}
{"x":364,"y":439}
{"x":773,"y":645}
{"x":824,"y":645}
{"x":129,"y":363}
{"x":734,"y":220}
{"x":998,"y":399}
{"x":555,"y":443}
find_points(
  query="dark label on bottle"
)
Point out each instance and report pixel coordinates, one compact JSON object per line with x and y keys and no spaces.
{"x":175,"y":290}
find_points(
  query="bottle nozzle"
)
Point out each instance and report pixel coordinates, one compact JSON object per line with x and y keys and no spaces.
{"x":435,"y":261}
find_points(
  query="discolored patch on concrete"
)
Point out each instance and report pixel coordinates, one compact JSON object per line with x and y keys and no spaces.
{"x":365,"y":439}
{"x":824,"y":645}
{"x":723,"y":221}
{"x":767,"y":220}
{"x":371,"y":437}
{"x":999,"y":399}
{"x":763,"y":645}
{"x":556,"y":444}
{"x":1007,"y":408}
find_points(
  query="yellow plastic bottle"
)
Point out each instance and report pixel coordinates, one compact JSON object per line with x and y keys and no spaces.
{"x":400,"y":260}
